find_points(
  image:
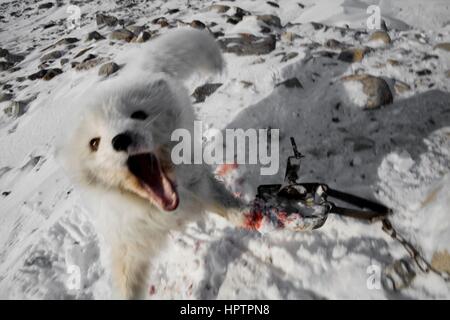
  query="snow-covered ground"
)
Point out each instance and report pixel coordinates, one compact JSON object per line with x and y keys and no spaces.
{"x":398,"y":153}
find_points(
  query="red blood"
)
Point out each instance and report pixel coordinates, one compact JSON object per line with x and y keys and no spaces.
{"x":152,"y":290}
{"x":253,"y":220}
{"x":226,"y":168}
{"x":282,"y":217}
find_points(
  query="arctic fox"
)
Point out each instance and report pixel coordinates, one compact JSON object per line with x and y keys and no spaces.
{"x":119,"y":156}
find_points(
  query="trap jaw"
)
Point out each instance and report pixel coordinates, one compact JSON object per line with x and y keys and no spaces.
{"x":295,"y":197}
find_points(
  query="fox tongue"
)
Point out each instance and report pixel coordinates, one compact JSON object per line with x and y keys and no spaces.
{"x":153,"y":179}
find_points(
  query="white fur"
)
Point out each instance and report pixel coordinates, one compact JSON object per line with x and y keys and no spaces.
{"x":132,"y":227}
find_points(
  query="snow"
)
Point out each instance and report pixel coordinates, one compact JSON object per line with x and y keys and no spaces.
{"x":399,"y":154}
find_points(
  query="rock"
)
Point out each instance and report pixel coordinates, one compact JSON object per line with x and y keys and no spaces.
{"x":46,"y":5}
{"x":270,"y":20}
{"x":136,"y":29}
{"x":401,"y":87}
{"x":64,"y":41}
{"x":52,"y":56}
{"x":14,"y":58}
{"x":162,"y":21}
{"x":380,"y":36}
{"x":16,"y":109}
{"x":63,"y":61}
{"x":448,"y":73}
{"x":265,"y":29}
{"x":94,"y":35}
{"x":200,"y":93}
{"x":103,"y":19}
{"x":5,"y":65}
{"x":143,"y":37}
{"x":172,"y":11}
{"x":273,"y":4}
{"x":443,"y":46}
{"x":198,"y":24}
{"x":49,"y":25}
{"x":376,"y":89}
{"x":288,"y":36}
{"x":240,"y":13}
{"x":108,"y":69}
{"x":441,"y":261}
{"x":3,"y":53}
{"x":246,"y":84}
{"x":218,"y":34}
{"x":289,"y":56}
{"x":122,"y":34}
{"x":4,"y":96}
{"x":46,"y":74}
{"x":290,"y":83}
{"x":325,"y":54}
{"x":89,"y":57}
{"x":423,"y":72}
{"x":393,"y":62}
{"x":51,"y":73}
{"x":352,"y":55}
{"x":219,"y":8}
{"x":317,"y":26}
{"x":87,"y":64}
{"x":335,"y":44}
{"x":248,"y":44}
{"x":81,"y":52}
{"x":429,"y":57}
{"x":234,"y":20}
{"x":67,"y":41}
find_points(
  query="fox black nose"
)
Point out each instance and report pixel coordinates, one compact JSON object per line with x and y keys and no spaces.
{"x":122,"y":141}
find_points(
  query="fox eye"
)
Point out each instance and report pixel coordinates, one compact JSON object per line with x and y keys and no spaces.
{"x":139,"y":115}
{"x":94,"y":143}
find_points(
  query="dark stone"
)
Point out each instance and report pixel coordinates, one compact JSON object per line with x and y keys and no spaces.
{"x":4,"y":65}
{"x":51,"y":73}
{"x":79,"y":54}
{"x":270,"y":20}
{"x":5,"y":96}
{"x":46,"y":5}
{"x":335,"y":44}
{"x":198,"y":24}
{"x":103,"y":19}
{"x":290,"y":83}
{"x":248,"y":44}
{"x":52,"y":56}
{"x":424,"y":72}
{"x":273,"y":4}
{"x":108,"y":69}
{"x":94,"y":35}
{"x":46,"y":74}
{"x":200,"y":93}
{"x":172,"y":11}
{"x":317,"y":26}
{"x":66,"y":41}
{"x":122,"y":34}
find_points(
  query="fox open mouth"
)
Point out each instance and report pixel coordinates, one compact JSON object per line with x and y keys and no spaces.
{"x":153,"y":180}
